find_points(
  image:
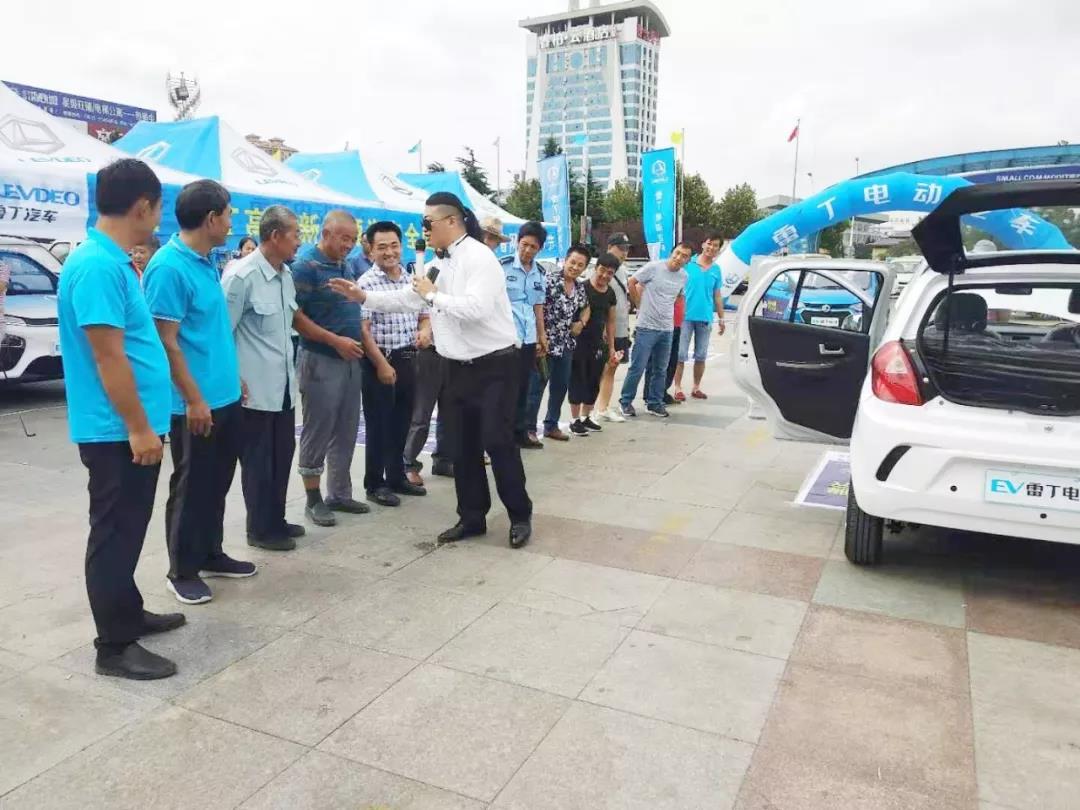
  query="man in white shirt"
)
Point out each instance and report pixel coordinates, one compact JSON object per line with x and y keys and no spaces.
{"x":473,"y":328}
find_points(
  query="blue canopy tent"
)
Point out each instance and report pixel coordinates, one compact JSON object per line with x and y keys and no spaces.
{"x":208,"y":147}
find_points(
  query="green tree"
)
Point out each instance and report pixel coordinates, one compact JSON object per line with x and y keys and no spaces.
{"x":699,"y":206}
{"x":435,"y":168}
{"x":737,"y":210}
{"x":551,"y":148}
{"x":908,"y":247}
{"x":831,"y":239}
{"x":524,"y":200}
{"x":622,"y":202}
{"x":473,"y":173}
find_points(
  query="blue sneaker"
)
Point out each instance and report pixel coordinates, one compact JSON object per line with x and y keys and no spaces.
{"x":628,"y":410}
{"x":226,"y":566}
{"x":191,"y":591}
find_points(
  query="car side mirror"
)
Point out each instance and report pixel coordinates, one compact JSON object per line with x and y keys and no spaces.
{"x":1074,"y":301}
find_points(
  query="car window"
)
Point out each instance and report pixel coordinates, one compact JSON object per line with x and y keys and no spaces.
{"x":27,"y":276}
{"x":808,"y":297}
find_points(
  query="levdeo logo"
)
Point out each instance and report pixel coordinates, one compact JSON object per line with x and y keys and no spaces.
{"x":39,"y":194}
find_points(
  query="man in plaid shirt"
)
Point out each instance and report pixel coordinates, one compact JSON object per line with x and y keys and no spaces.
{"x":391,"y":341}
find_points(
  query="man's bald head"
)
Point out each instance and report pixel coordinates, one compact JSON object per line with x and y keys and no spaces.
{"x":338,"y":235}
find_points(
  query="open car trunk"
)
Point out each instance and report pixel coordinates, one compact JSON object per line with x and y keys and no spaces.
{"x":1009,"y":346}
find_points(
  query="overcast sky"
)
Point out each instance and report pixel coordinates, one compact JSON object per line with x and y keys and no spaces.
{"x":886,"y":82}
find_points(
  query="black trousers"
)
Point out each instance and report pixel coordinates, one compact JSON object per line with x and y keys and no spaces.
{"x":586,"y":369}
{"x":674,"y":360}
{"x":266,"y":461}
{"x":481,"y":406}
{"x":203,"y":469}
{"x":121,"y":502}
{"x":387,"y":416}
{"x":526,"y":364}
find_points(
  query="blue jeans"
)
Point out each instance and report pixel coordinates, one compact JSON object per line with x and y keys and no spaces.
{"x":650,"y":355}
{"x":699,"y":331}
{"x":557,"y":384}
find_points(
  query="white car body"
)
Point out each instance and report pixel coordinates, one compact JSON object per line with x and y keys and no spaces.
{"x":30,"y":315}
{"x":955,"y":450}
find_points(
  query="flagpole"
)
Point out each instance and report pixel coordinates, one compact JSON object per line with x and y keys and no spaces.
{"x":795,"y":175}
{"x":682,"y":183}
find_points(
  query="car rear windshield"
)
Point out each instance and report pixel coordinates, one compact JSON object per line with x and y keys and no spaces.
{"x":1010,"y":346}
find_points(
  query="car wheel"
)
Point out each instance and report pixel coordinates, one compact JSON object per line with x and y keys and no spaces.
{"x":862,"y":534}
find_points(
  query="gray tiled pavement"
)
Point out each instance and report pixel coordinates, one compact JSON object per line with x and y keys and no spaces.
{"x":676,"y":636}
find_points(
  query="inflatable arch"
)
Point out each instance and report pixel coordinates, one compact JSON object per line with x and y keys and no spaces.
{"x":1016,"y":228}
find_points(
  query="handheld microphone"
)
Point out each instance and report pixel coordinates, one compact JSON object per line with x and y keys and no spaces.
{"x":418,"y":265}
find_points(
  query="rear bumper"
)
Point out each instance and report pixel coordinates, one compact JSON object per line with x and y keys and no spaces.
{"x":941,"y":479}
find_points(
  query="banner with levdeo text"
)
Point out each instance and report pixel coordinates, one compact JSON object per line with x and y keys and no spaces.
{"x":658,"y":201}
{"x":555,"y":196}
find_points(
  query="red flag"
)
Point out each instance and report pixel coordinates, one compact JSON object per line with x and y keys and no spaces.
{"x":794,"y":134}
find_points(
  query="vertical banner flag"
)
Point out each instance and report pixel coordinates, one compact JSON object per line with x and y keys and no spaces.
{"x":658,"y":201}
{"x":555,"y":195}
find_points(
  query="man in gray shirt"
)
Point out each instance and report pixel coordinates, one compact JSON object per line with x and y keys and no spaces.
{"x":653,"y":289}
{"x":261,"y":300}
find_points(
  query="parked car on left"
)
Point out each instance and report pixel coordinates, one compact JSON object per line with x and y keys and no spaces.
{"x":30,"y":351}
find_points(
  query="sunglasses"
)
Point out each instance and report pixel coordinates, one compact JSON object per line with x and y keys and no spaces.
{"x":427,"y":222}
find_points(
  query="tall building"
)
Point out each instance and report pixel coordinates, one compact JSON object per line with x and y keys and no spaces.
{"x":592,"y":72}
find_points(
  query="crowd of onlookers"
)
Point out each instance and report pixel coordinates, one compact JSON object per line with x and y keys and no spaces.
{"x":156,"y":341}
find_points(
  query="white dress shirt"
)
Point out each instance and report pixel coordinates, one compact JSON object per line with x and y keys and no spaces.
{"x":471,"y":314}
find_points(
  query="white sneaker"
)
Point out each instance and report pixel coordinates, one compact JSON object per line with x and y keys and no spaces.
{"x":612,"y":415}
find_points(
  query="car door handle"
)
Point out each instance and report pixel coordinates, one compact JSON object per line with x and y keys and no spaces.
{"x":826,"y":350}
{"x":796,"y":366}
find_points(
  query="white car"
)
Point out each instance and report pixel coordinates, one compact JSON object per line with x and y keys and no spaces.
{"x":969,"y":417}
{"x":30,"y":350}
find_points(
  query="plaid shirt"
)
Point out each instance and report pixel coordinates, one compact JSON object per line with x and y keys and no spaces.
{"x":391,"y":330}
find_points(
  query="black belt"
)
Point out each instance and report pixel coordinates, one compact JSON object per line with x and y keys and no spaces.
{"x":403,"y":352}
{"x":490,"y":356}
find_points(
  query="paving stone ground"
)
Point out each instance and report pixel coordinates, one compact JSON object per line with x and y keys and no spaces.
{"x":677,"y":635}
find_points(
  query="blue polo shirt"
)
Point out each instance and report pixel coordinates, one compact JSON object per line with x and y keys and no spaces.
{"x":701,"y":286}
{"x":183,"y":286}
{"x":311,"y":273}
{"x":526,"y":289}
{"x":99,"y":287}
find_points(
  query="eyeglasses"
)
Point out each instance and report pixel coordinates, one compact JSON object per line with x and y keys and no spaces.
{"x":427,"y":222}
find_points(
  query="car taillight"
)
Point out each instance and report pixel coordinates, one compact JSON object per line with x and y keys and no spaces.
{"x":893,"y":375}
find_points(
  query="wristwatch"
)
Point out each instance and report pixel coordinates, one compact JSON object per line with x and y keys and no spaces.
{"x":430,"y":298}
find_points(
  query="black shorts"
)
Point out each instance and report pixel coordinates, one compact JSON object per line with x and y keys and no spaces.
{"x":623,"y":345}
{"x":586,"y":369}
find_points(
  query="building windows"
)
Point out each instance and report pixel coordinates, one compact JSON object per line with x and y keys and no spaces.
{"x":532,"y":67}
{"x":629,"y":54}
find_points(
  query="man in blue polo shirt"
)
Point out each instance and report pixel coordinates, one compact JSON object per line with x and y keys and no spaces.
{"x":527,"y":287}
{"x":117,"y":380}
{"x":205,"y":437}
{"x":328,"y":370}
{"x":704,"y":283}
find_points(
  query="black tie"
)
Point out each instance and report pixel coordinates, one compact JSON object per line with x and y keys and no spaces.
{"x":442,"y":253}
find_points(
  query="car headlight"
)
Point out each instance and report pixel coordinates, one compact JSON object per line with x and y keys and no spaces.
{"x":11,"y":320}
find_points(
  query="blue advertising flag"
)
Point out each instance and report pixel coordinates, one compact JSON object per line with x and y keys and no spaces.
{"x":555,"y":195}
{"x":658,"y":201}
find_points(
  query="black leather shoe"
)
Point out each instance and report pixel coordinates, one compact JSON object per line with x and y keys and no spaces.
{"x":459,"y":531}
{"x":520,"y":533}
{"x":443,"y":468}
{"x":384,"y":497}
{"x":295,"y":530}
{"x":281,"y":543}
{"x":407,"y":488}
{"x":135,"y":663}
{"x":154,"y":623}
